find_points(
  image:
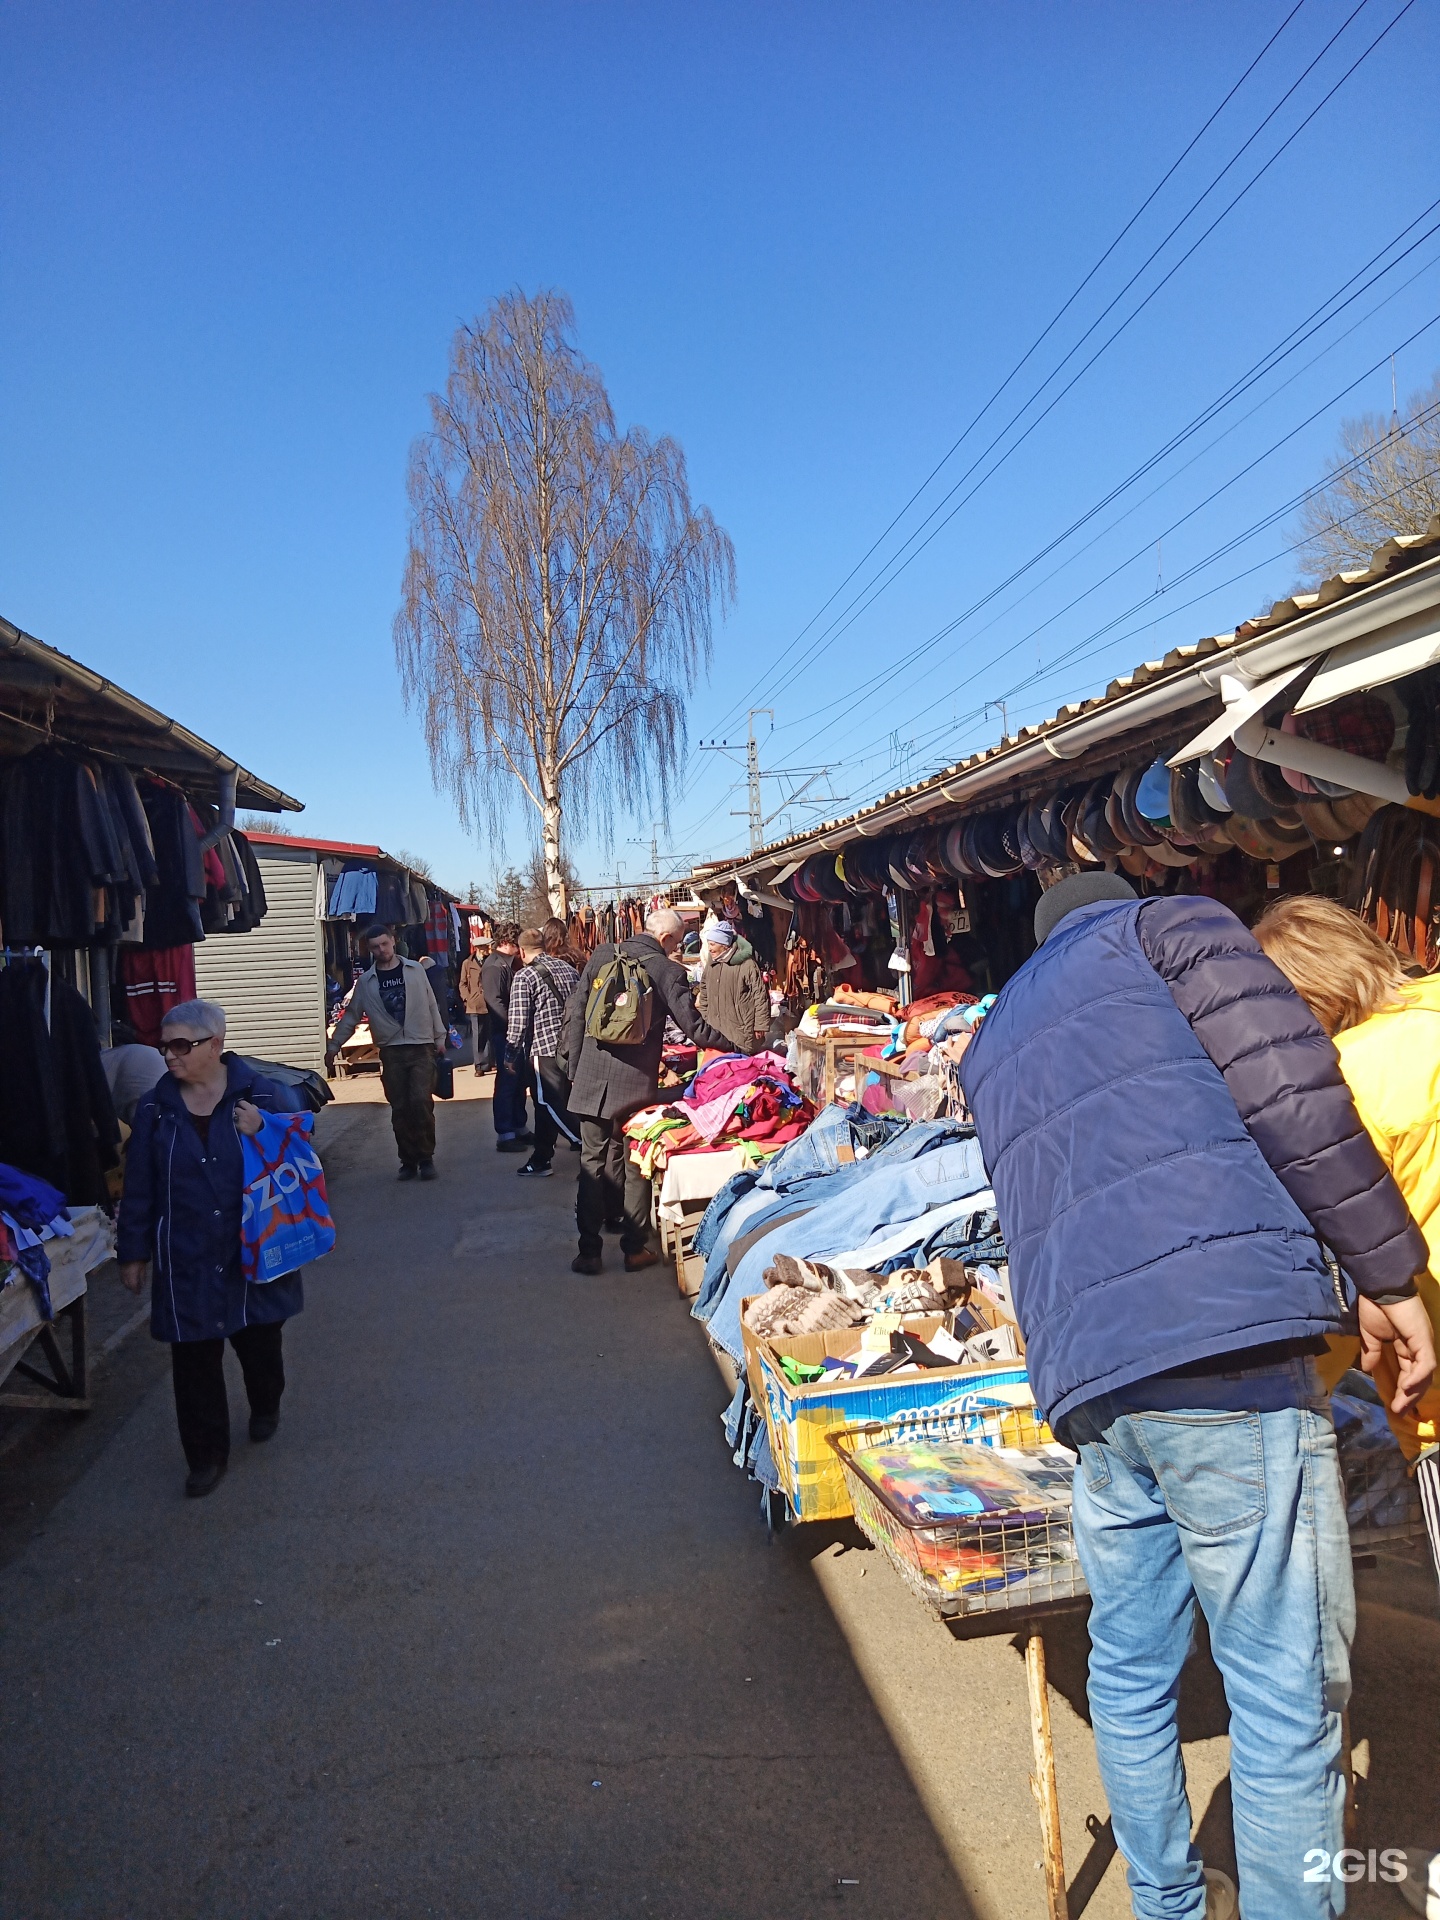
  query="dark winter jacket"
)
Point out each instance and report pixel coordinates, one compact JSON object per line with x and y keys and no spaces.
{"x":497,"y":970}
{"x":733,"y":997}
{"x":1168,"y":1132}
{"x":57,"y":1118}
{"x":181,"y":1210}
{"x":611,"y":1082}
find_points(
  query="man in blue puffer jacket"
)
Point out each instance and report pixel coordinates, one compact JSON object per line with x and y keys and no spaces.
{"x":1170,"y":1142}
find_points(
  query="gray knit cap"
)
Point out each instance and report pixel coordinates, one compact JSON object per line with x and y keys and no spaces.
{"x":1077,"y":890}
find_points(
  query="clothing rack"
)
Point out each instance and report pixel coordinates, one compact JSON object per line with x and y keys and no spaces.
{"x":9,"y":955}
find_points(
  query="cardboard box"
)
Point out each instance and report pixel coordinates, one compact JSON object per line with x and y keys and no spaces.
{"x":798,"y":1419}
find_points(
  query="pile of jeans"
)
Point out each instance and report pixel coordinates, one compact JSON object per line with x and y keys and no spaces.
{"x":856,"y":1189}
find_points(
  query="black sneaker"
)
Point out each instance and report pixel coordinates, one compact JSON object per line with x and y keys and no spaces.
{"x":587,"y":1263}
{"x":407,"y":1172}
{"x":427,"y":1170}
{"x":531,"y":1172}
{"x":263,"y":1425}
{"x":202,"y":1480}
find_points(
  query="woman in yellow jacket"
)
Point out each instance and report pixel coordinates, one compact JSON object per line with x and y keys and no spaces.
{"x":1386,"y":1029}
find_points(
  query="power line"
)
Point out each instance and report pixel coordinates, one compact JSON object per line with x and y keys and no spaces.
{"x":1329,"y":309}
{"x":1040,"y":337}
{"x":1267,"y":365}
{"x":895,"y":566}
{"x":1083,"y":648}
{"x":879,"y":582}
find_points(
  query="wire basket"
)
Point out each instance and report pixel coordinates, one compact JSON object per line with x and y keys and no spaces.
{"x":964,"y":1568}
{"x":1382,"y":1496}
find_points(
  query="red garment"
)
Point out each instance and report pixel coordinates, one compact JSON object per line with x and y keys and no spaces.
{"x":155,"y":980}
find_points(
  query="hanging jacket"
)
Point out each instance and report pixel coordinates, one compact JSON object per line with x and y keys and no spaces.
{"x":181,"y":1210}
{"x":1169,"y":1138}
{"x":57,"y":1119}
{"x":733,"y":997}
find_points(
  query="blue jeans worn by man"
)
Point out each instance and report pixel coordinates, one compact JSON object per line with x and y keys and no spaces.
{"x":1223,"y":1490}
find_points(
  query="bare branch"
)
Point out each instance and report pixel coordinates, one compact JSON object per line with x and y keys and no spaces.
{"x":560,"y":586}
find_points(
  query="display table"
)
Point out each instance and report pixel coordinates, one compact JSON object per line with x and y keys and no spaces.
{"x":682,"y":1193}
{"x":23,"y":1331}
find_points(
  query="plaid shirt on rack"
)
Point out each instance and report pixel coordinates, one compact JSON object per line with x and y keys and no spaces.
{"x":537,"y":1005}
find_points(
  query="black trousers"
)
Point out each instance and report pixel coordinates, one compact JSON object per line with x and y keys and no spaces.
{"x":552,"y":1114}
{"x":611,"y":1187}
{"x":407,"y":1073}
{"x":201,"y":1407}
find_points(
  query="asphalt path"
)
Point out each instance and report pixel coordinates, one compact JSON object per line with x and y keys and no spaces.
{"x":493,"y":1627}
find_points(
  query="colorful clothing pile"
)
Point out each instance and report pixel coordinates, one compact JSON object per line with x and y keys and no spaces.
{"x":740,"y":1100}
{"x":31,"y":1212}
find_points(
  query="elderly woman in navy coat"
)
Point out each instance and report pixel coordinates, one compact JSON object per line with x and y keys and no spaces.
{"x":184,"y":1187}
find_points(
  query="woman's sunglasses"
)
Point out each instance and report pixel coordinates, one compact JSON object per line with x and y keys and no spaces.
{"x":181,"y":1047}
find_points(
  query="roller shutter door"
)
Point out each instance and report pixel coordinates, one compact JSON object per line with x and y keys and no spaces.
{"x":271,"y":981}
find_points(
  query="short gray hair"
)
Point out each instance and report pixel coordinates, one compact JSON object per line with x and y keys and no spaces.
{"x":203,"y":1016}
{"x":664,"y":920}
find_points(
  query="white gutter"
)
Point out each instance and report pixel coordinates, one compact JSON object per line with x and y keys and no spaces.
{"x":1371,"y":611}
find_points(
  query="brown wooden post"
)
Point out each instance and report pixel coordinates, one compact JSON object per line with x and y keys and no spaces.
{"x":1042,"y":1781}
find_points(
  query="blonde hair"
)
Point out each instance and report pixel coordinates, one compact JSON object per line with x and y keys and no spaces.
{"x":1338,"y":965}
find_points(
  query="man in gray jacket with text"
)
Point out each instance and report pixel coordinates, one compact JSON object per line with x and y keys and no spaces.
{"x":395,"y":997}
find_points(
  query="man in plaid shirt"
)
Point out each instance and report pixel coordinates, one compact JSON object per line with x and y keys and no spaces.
{"x":538,"y":993}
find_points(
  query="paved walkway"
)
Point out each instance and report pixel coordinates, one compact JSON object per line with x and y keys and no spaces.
{"x":492,"y":1628}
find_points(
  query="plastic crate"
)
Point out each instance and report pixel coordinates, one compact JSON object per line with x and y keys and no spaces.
{"x":965,"y":1568}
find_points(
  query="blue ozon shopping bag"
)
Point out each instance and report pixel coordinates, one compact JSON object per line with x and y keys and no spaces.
{"x":286,"y":1220}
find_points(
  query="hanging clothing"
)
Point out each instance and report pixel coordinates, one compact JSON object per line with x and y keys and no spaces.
{"x":155,"y":979}
{"x":57,"y":1119}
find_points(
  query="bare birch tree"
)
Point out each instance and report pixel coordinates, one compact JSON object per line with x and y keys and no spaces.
{"x":560,"y":585}
{"x":1384,"y":480}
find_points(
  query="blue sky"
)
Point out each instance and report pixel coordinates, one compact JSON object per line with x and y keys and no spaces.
{"x":808,"y":240}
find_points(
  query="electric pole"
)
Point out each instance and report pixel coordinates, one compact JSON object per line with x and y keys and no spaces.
{"x":754,"y":810}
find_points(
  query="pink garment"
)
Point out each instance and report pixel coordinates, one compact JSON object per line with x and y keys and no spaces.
{"x":730,"y":1072}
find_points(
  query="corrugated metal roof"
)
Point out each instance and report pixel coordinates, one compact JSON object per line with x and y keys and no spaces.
{"x":1398,"y":555}
{"x":46,"y":695}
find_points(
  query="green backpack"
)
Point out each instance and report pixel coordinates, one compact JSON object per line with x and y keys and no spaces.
{"x":621,"y":1003}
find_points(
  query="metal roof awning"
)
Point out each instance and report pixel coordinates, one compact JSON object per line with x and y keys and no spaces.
{"x":1395,"y":603}
{"x":45,"y":696}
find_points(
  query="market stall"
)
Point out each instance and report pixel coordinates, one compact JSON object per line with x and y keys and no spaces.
{"x":853,"y":1284}
{"x":119,"y":857}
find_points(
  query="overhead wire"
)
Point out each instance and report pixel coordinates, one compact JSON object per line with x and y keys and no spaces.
{"x":1034,"y":346}
{"x":1326,"y":312}
{"x":1090,"y":642}
{"x":895,"y":565}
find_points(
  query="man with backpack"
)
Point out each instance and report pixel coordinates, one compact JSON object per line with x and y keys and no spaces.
{"x":616,"y":1031}
{"x":539,"y":994}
